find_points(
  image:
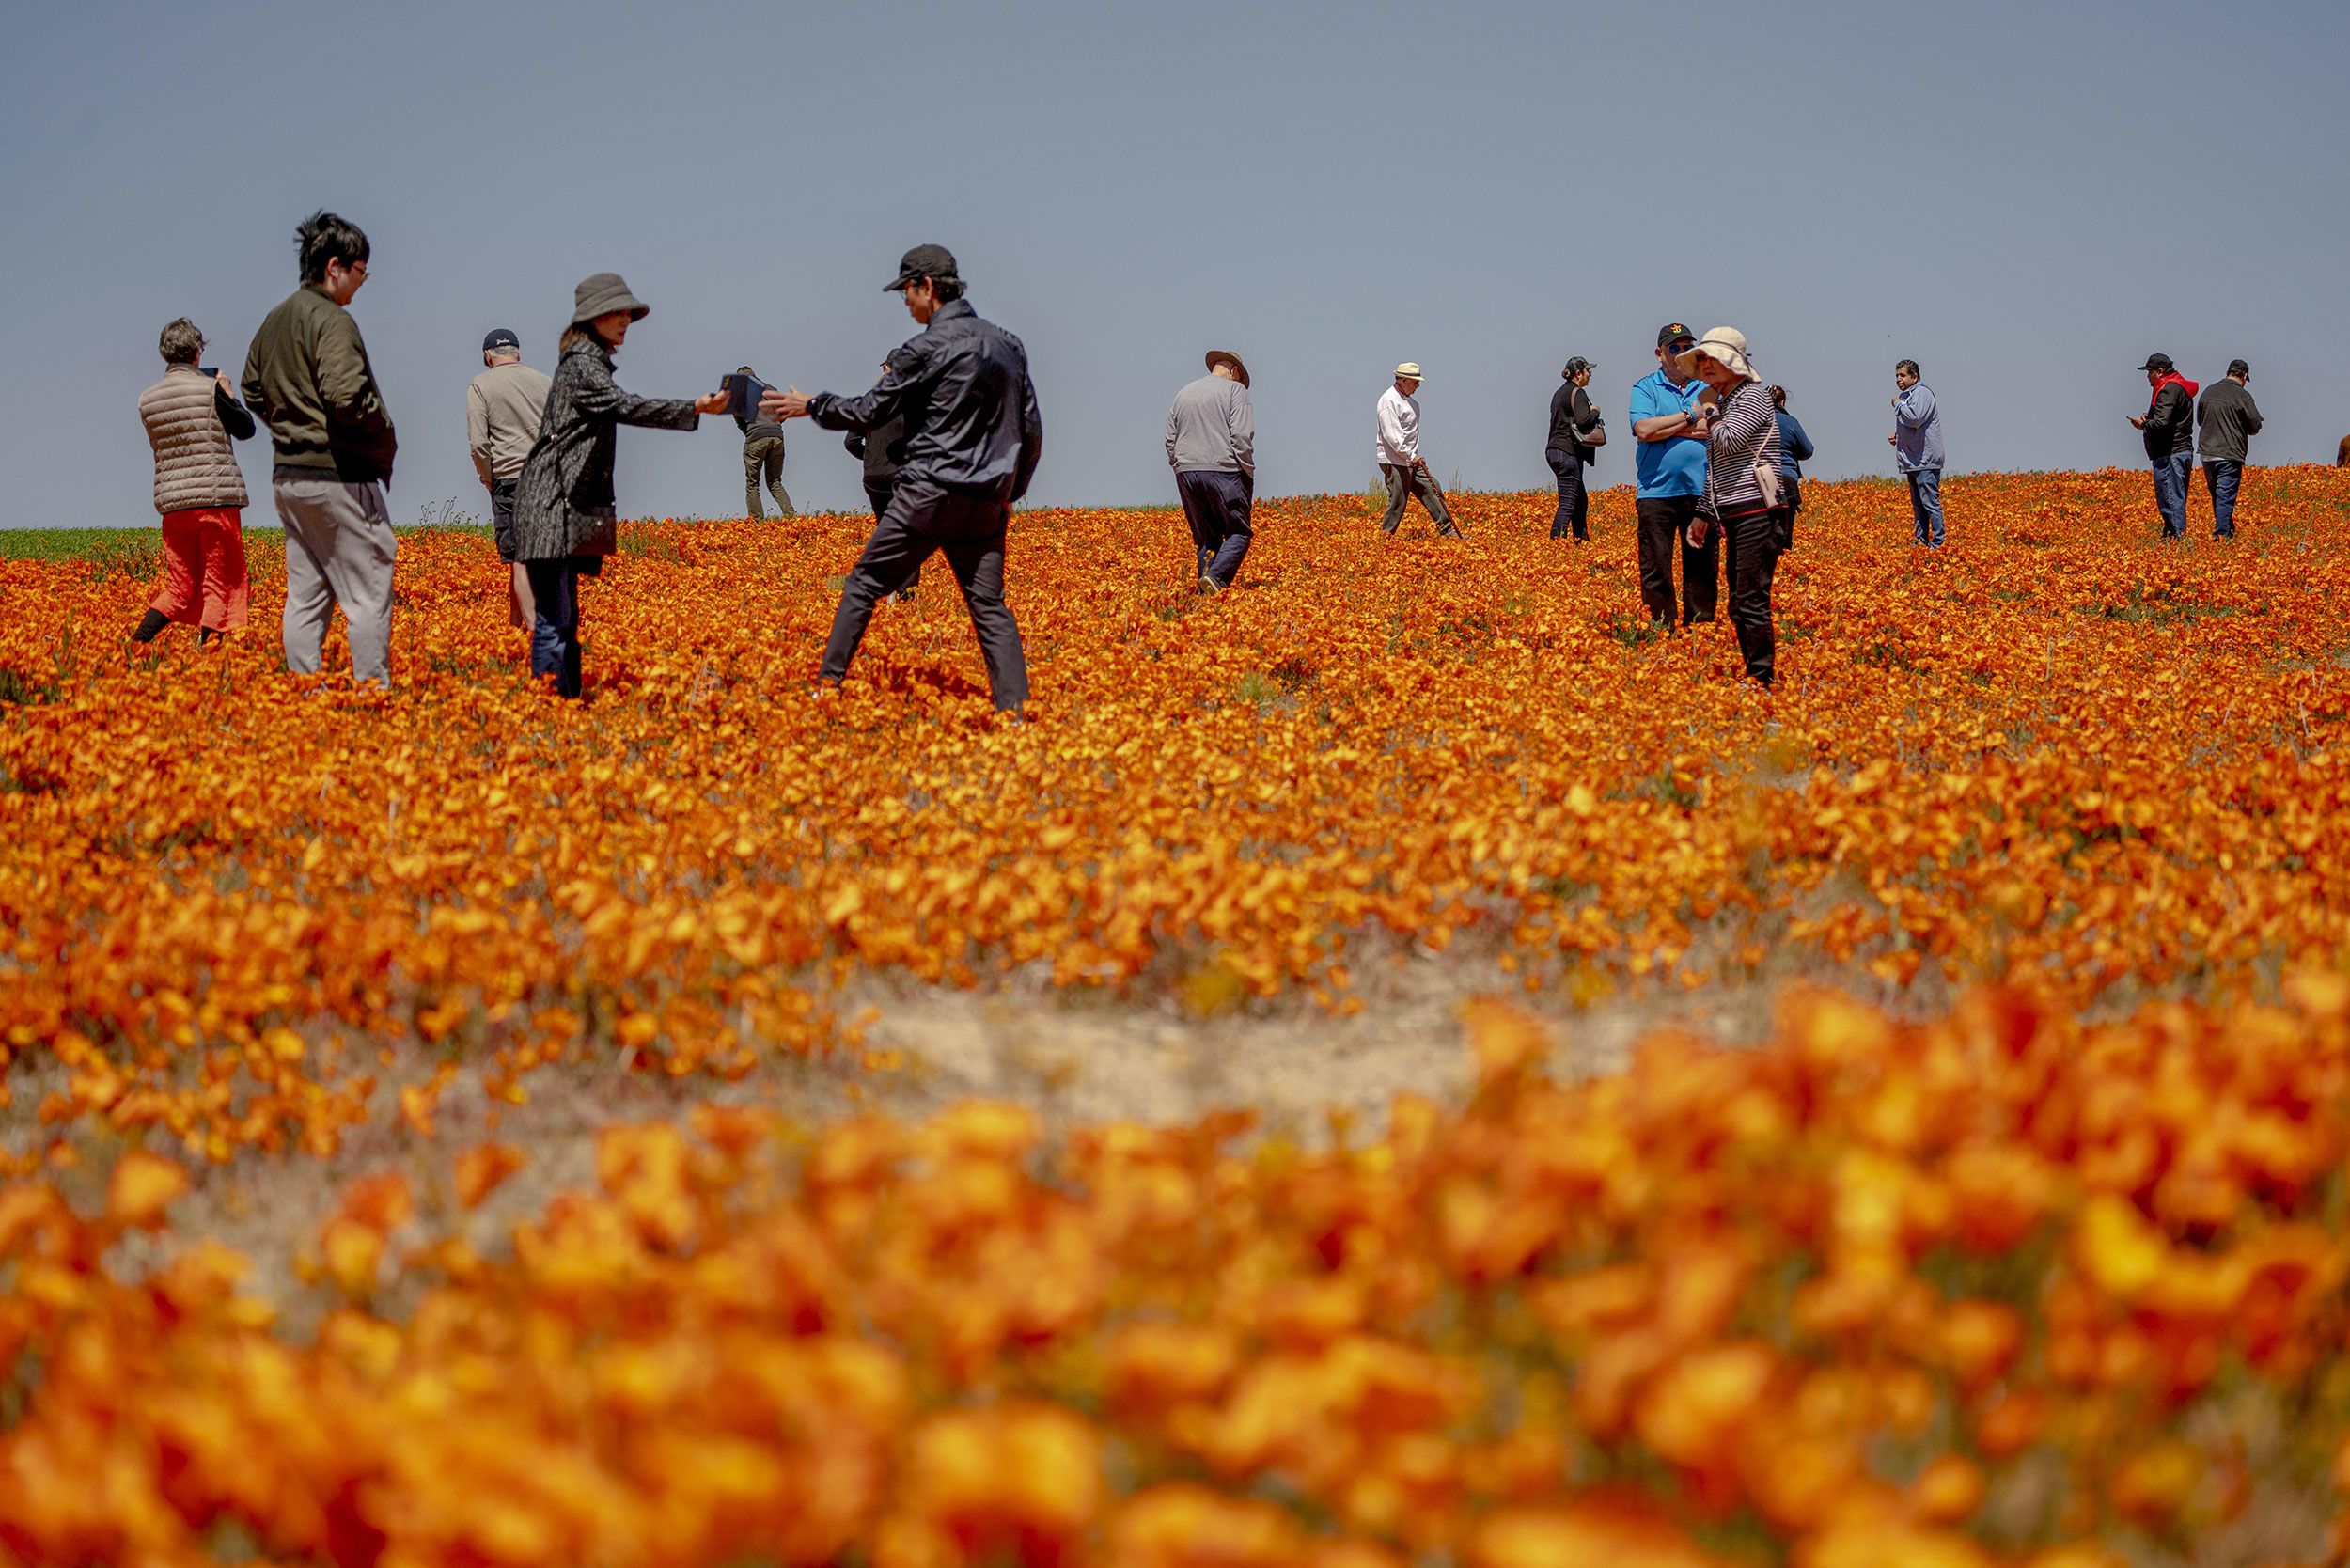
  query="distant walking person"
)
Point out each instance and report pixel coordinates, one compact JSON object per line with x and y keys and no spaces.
{"x":2341,"y":453}
{"x":2229,"y":418}
{"x":1400,"y":462}
{"x":1917,"y":442}
{"x":1212,"y":445}
{"x":1670,"y":425}
{"x":566,"y":513}
{"x":190,"y":417}
{"x":2169,"y":429}
{"x":1742,"y":490}
{"x":306,"y":376}
{"x":503,"y":407}
{"x":762,"y":457}
{"x":1575,"y":432}
{"x":883,"y":451}
{"x":1795,"y":450}
{"x":974,"y":438}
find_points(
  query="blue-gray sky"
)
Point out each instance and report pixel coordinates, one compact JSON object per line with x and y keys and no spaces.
{"x":2025,"y":197}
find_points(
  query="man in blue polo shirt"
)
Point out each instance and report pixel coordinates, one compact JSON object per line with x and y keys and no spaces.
{"x":1671,"y":425}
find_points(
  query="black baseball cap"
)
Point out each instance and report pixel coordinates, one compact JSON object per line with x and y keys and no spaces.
{"x":935,"y":262}
{"x":2238,"y":368}
{"x":1575,"y":367}
{"x":1671,"y":333}
{"x":503,"y":337}
{"x":2157,"y":362}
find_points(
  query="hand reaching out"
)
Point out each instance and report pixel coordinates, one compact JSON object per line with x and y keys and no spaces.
{"x":713,"y":402}
{"x":788,"y":404}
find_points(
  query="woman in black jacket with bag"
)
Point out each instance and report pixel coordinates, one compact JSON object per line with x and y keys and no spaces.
{"x":1574,"y":431}
{"x":564,"y":518}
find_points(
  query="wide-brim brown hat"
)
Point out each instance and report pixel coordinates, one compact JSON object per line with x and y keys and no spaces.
{"x":604,"y":294}
{"x":1224,"y":356}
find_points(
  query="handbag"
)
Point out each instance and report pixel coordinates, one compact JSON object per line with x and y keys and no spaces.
{"x":1766,"y":473}
{"x":1593,"y":437}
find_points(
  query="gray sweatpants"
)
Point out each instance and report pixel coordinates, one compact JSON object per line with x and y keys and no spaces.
{"x":339,"y":550}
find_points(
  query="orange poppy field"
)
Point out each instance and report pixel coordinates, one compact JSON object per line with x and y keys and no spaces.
{"x":457,"y":1126}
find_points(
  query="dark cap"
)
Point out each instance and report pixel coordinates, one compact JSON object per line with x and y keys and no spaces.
{"x":1575,"y":367}
{"x":1671,"y":332}
{"x":2157,"y":362}
{"x":502,"y":339}
{"x":2238,"y":368}
{"x":935,"y":262}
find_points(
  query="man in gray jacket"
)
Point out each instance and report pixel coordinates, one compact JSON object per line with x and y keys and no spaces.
{"x":504,"y":405}
{"x":1212,"y":445}
{"x":2229,"y":420}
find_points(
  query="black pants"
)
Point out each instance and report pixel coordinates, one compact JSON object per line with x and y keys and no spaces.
{"x":878,"y":492}
{"x":1574,"y":498}
{"x":1405,"y":483}
{"x":502,"y":516}
{"x":1217,"y":504}
{"x":1664,"y":528}
{"x":1791,"y":504}
{"x":969,"y":526}
{"x":764,"y":458}
{"x":1751,"y":543}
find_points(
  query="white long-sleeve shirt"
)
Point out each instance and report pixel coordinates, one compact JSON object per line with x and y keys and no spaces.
{"x":1399,"y":429}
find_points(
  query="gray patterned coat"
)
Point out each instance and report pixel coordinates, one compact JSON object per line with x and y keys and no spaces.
{"x":563,"y":503}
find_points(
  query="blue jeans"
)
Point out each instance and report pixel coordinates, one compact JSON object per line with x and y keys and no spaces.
{"x":555,"y":630}
{"x":1925,"y":505}
{"x":2223,"y":477}
{"x":1216,"y":504}
{"x":2173,"y":475}
{"x":1574,"y":497}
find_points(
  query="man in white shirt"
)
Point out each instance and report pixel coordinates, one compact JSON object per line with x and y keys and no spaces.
{"x":1406,"y":470}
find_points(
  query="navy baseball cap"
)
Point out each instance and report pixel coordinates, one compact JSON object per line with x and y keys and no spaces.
{"x":502,"y":339}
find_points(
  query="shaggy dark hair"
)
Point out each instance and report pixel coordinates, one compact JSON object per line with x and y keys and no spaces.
{"x":324,"y":238}
{"x":180,"y":344}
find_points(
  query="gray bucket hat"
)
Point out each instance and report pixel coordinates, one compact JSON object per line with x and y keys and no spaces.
{"x":603,"y":294}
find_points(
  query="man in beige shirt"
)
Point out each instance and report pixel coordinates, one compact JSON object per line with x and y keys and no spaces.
{"x":503,"y":408}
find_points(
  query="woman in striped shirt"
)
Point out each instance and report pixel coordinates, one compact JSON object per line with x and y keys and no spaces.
{"x":1743,"y":487}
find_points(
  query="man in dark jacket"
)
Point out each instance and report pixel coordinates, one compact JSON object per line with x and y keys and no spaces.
{"x":973,"y":438}
{"x":2229,"y":420}
{"x":881,"y":450}
{"x":762,"y":454}
{"x":307,"y":377}
{"x":2168,"y":425}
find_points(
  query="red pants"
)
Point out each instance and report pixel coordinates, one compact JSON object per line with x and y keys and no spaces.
{"x":204,"y":578}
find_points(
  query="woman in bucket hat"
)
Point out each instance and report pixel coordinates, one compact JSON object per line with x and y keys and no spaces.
{"x":564,"y":518}
{"x":1742,"y":489}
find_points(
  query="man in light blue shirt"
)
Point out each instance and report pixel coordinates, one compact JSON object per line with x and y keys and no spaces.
{"x":1671,"y":425}
{"x":1917,"y":440}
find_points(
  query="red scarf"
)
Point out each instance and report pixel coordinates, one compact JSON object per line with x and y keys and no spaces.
{"x":2168,"y":377}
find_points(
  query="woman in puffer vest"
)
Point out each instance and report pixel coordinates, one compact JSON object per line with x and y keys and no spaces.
{"x":190,"y":417}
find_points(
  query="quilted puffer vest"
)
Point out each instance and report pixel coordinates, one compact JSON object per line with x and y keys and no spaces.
{"x":196,"y":466}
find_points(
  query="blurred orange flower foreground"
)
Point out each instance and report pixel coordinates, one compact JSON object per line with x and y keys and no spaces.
{"x":1955,"y":1293}
{"x":2039,"y":1257}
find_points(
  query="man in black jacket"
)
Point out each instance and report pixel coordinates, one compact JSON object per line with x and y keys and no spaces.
{"x":2168,"y":425}
{"x":2229,"y":420}
{"x":973,"y":438}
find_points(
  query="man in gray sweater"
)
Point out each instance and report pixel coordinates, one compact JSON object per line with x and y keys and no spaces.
{"x":2229,"y":420}
{"x":1212,"y":445}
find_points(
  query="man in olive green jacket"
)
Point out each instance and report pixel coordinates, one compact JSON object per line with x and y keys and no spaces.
{"x":306,"y":376}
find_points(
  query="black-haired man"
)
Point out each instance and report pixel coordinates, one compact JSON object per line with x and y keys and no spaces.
{"x":973,"y":438}
{"x":306,"y":376}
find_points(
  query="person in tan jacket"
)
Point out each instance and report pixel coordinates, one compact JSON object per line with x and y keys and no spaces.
{"x":190,"y":417}
{"x":504,"y":406}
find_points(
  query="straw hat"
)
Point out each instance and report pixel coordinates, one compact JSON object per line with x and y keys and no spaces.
{"x":1726,"y":346}
{"x":1409,"y":371}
